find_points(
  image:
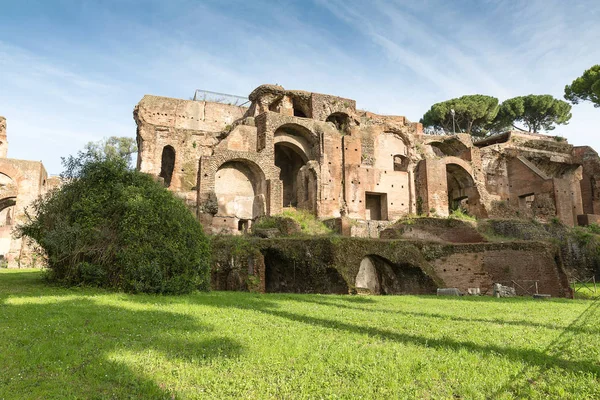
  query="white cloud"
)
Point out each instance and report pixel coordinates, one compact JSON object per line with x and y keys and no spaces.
{"x":392,"y":57}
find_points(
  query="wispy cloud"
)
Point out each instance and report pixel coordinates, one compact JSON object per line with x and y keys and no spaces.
{"x":78,"y":76}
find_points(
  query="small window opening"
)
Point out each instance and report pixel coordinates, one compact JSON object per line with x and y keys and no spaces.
{"x":167,"y":164}
{"x":400,"y":163}
{"x":376,"y":206}
{"x":526,"y":200}
{"x":243,"y":225}
{"x":299,"y":113}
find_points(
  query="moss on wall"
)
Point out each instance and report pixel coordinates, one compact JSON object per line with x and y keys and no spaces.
{"x":331,"y":264}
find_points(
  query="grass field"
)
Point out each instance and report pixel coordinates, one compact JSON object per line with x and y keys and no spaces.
{"x":82,"y":343}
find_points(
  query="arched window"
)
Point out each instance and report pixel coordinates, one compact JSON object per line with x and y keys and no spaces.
{"x":167,"y":164}
{"x":340,"y":120}
{"x":301,"y":109}
{"x":461,"y":187}
{"x":400,"y":163}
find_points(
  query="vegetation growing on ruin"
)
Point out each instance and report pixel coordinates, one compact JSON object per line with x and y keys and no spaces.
{"x":114,"y":227}
{"x":309,"y":224}
{"x":88,"y":343}
{"x":579,"y":246}
{"x":461,"y":214}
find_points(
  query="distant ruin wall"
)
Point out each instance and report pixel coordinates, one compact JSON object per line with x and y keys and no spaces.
{"x":331,"y":265}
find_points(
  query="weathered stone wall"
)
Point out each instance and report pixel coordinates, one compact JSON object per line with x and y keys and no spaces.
{"x":332,"y":265}
{"x":318,"y":152}
{"x":590,"y":180}
{"x":3,"y":138}
{"x":21,"y":182}
{"x":447,"y":230}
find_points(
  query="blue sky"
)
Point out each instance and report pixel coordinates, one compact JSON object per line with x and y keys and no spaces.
{"x":71,"y":71}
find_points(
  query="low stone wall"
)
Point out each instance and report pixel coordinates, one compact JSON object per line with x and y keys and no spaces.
{"x":331,"y":265}
{"x":444,"y":230}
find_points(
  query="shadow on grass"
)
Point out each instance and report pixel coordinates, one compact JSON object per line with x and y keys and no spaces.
{"x":265,"y":305}
{"x":67,"y":348}
{"x":519,"y":384}
{"x":93,"y":331}
{"x":498,"y":321}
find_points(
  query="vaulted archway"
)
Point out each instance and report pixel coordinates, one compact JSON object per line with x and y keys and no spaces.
{"x":461,"y":187}
{"x":240,"y":188}
{"x":378,"y":275}
{"x":293,"y":151}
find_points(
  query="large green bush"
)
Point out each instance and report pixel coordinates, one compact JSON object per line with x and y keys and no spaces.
{"x":114,"y":227}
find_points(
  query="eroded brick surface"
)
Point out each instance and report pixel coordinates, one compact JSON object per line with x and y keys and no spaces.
{"x":21,"y":182}
{"x":319,"y":152}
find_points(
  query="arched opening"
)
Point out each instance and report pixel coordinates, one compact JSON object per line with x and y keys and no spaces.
{"x":340,"y":120}
{"x":449,"y":148}
{"x":289,"y":162}
{"x":293,"y":150}
{"x":167,"y":164}
{"x":461,"y":188}
{"x":301,"y":108}
{"x":240,"y":191}
{"x":400,"y":163}
{"x":275,"y":105}
{"x":378,"y":275}
{"x":7,"y":202}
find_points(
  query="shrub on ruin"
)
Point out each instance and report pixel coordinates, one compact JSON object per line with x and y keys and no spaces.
{"x":114,"y":227}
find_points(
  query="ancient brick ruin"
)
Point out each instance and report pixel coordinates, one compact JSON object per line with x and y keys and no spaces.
{"x":233,"y":164}
{"x":360,"y":173}
{"x":21,"y":182}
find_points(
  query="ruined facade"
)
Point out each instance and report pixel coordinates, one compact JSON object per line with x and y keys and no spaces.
{"x":234,"y":164}
{"x":21,"y":182}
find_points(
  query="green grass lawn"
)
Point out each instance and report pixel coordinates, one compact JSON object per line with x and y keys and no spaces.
{"x":83,"y":343}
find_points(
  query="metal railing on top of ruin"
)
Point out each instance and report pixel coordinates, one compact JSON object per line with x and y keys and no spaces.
{"x":216,"y":97}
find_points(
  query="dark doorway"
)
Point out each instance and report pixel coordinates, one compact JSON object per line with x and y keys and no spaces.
{"x":461,"y":188}
{"x":378,"y":275}
{"x":289,"y":162}
{"x":340,"y":120}
{"x":376,"y":206}
{"x":167,"y":164}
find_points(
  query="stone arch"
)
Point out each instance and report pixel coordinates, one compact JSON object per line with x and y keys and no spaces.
{"x":301,"y":108}
{"x":460,"y":187}
{"x":240,"y":188}
{"x":387,"y":145}
{"x":340,"y":120}
{"x":293,"y":149}
{"x":167,"y":164}
{"x":401,"y":163}
{"x":298,"y":131}
{"x":378,"y":275}
{"x":7,"y":202}
{"x":12,"y":173}
{"x":8,"y":198}
{"x":448,"y":148}
{"x":275,"y":105}
{"x":402,"y":135}
{"x":298,"y":144}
